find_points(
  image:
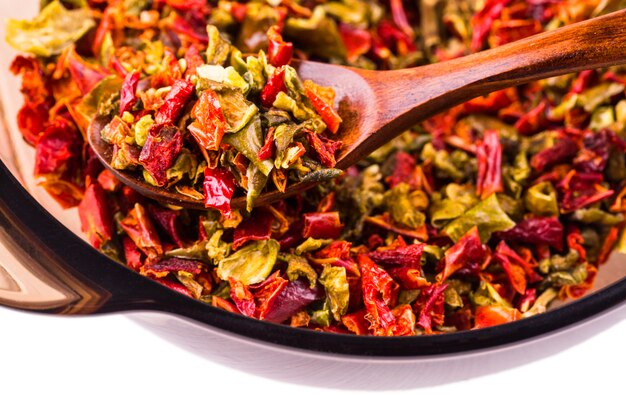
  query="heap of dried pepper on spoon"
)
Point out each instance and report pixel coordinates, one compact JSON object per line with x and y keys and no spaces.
{"x":478,"y":216}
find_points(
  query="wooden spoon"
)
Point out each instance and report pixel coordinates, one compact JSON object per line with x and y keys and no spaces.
{"x":377,"y":106}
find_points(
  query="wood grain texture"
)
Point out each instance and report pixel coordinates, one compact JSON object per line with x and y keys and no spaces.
{"x":377,"y":106}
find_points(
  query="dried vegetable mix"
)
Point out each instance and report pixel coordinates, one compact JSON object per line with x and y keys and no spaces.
{"x":478,"y":216}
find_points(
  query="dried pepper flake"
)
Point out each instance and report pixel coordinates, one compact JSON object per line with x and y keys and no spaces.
{"x":467,"y":252}
{"x":219,"y":187}
{"x":163,"y":144}
{"x":379,"y":291}
{"x":127,"y":94}
{"x":257,"y":227}
{"x":323,"y":101}
{"x":563,"y":150}
{"x":486,"y":316}
{"x":322,"y":225}
{"x":278,"y":51}
{"x":275,"y":84}
{"x":489,"y":155}
{"x":174,"y":102}
{"x":403,"y":169}
{"x":291,"y":298}
{"x":540,"y":230}
{"x":407,"y":256}
{"x":324,"y":148}
{"x":430,"y":306}
{"x":209,"y":125}
{"x":160,"y":268}
{"x":95,"y":218}
{"x":138,"y":226}
{"x":243,"y":298}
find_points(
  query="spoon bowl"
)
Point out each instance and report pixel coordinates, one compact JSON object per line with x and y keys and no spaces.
{"x":377,"y":106}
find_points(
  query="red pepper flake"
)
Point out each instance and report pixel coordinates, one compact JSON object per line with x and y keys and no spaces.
{"x":129,"y":88}
{"x":162,"y":267}
{"x":514,"y":272}
{"x":85,"y":75}
{"x":538,"y":230}
{"x":131,"y":254}
{"x":403,"y":169}
{"x":184,"y":27}
{"x":58,"y":159}
{"x":174,"y":285}
{"x":327,"y":203}
{"x":209,"y":125}
{"x":140,"y":229}
{"x":407,"y":256}
{"x":489,"y":155}
{"x":278,"y":51}
{"x":482,"y":21}
{"x":408,"y":278}
{"x":223,"y":304}
{"x":430,"y":305}
{"x":323,"y":105}
{"x":275,"y":84}
{"x":607,"y":247}
{"x":256,"y":227}
{"x":267,"y":293}
{"x":533,"y":120}
{"x":504,"y":252}
{"x":393,"y":37}
{"x":576,"y":291}
{"x":491,"y":103}
{"x":379,"y":292}
{"x":322,"y":225}
{"x":167,"y":220}
{"x":193,"y":59}
{"x":563,"y":150}
{"x":219,"y":187}
{"x":336,"y":249}
{"x":579,"y":190}
{"x":525,"y":302}
{"x":267,"y":151}
{"x":95,"y":219}
{"x":575,"y":242}
{"x":174,"y":102}
{"x":324,"y":148}
{"x":356,"y":322}
{"x":286,"y":299}
{"x":238,"y":11}
{"x":467,"y":251}
{"x":108,"y":181}
{"x":104,"y":27}
{"x":356,"y":40}
{"x":243,"y":298}
{"x":486,"y":316}
{"x":405,"y":320}
{"x":116,"y":65}
{"x":161,"y":149}
{"x":583,"y":81}
{"x":506,"y":31}
{"x":592,"y":158}
{"x":193,"y":6}
{"x":400,"y":19}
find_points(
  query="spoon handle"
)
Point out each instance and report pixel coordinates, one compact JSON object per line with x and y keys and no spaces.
{"x":407,"y":96}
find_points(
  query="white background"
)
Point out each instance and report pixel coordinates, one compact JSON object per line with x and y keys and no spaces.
{"x":121,"y":354}
{"x":154,"y":354}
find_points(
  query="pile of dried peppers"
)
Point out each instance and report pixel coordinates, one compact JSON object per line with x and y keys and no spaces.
{"x":478,"y":216}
